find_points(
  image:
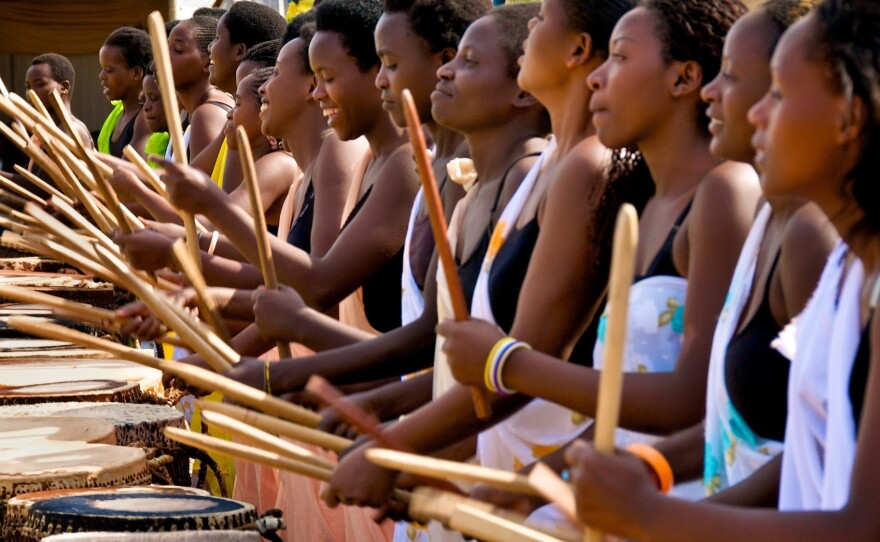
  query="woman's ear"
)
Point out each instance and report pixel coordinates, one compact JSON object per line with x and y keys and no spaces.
{"x":581,"y":51}
{"x":853,"y":115}
{"x":688,"y":78}
{"x":446,"y":55}
{"x":524,"y":99}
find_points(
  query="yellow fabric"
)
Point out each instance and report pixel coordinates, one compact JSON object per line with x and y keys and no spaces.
{"x":295,"y":7}
{"x":220,"y":164}
{"x":224,"y":462}
{"x":68,"y":28}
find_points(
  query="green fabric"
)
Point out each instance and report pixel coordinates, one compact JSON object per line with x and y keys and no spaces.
{"x":157,"y":144}
{"x":109,"y":126}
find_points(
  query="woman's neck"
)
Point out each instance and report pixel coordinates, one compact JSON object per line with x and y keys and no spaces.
{"x":194,"y":95}
{"x":493,"y":150}
{"x":131,"y":102}
{"x":446,"y":141}
{"x":260,"y":147}
{"x":305,"y":135}
{"x":384,"y":137}
{"x":569,"y":107}
{"x":678,"y":156}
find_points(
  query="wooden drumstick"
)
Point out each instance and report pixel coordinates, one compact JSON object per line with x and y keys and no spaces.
{"x":147,"y":173}
{"x":196,"y":376}
{"x":265,"y":440}
{"x":165,"y":78}
{"x":491,"y":528}
{"x":206,"y":303}
{"x":257,"y":455}
{"x":350,"y":412}
{"x":451,"y":470}
{"x":39,"y":106}
{"x":20,"y":190}
{"x":438,"y":227}
{"x":28,"y":295}
{"x":277,"y":426}
{"x":41,"y":184}
{"x":61,"y":156}
{"x":5,"y":93}
{"x":264,"y":248}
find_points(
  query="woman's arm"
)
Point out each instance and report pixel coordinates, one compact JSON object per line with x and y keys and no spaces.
{"x":207,"y":121}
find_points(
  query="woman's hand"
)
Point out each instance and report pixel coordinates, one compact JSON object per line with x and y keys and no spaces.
{"x":276,"y":312}
{"x":126,"y":185}
{"x":250,"y":372}
{"x":189,"y":189}
{"x":467,"y":346}
{"x":147,"y":250}
{"x":139,"y":321}
{"x":358,"y":482}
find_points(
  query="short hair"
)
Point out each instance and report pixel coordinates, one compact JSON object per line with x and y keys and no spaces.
{"x":306,"y":33}
{"x":597,"y":18}
{"x":784,"y":13}
{"x":169,"y":26}
{"x":265,"y":53}
{"x":251,"y":23}
{"x":514,"y":21}
{"x":695,"y":30}
{"x":293,"y":28}
{"x":261,"y":75}
{"x":59,"y":66}
{"x":204,"y":29}
{"x":133,"y":44}
{"x":210,"y":12}
{"x":441,"y":23}
{"x":846,"y":41}
{"x":355,"y":22}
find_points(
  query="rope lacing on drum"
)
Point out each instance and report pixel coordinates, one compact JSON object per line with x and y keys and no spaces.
{"x":269,"y":523}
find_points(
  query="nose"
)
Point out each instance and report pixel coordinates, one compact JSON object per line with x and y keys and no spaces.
{"x":446,"y":71}
{"x":710,"y":93}
{"x":757,"y":114}
{"x":598,"y":78}
{"x":320,"y":92}
{"x":382,"y":78}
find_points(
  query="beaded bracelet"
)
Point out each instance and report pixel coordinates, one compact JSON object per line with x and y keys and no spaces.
{"x":659,"y":465}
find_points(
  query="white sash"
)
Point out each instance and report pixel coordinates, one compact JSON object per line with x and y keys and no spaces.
{"x":733,"y":450}
{"x":803,"y":463}
{"x":412,"y":303}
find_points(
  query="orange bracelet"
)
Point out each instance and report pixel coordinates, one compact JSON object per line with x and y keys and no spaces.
{"x":659,"y":465}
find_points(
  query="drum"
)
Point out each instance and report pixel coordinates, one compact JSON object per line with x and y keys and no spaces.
{"x":19,"y":432}
{"x":30,"y":372}
{"x":136,"y":513}
{"x":65,"y":465}
{"x":133,"y":423}
{"x":17,"y":508}
{"x":191,"y":536}
{"x":75,"y":287}
{"x":95,"y":391}
{"x":15,"y":349}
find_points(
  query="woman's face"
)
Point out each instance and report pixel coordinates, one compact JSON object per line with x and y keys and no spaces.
{"x":475,"y":90}
{"x":39,"y":79}
{"x":154,"y":112}
{"x":744,"y":78}
{"x":223,"y":61}
{"x":188,"y":64}
{"x":799,"y":123}
{"x":287,"y":91}
{"x":117,"y":79}
{"x":543,"y":62}
{"x":245,"y":112}
{"x":631,"y":95}
{"x":406,"y":63}
{"x":348,"y":96}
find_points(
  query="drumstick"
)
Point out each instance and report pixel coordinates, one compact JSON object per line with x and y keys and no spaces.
{"x":264,"y":248}
{"x":38,"y":105}
{"x":277,"y":426}
{"x":196,"y":376}
{"x":206,"y":303}
{"x":5,"y":93}
{"x":451,"y":470}
{"x":265,"y":440}
{"x":491,"y":528}
{"x":81,"y":194}
{"x":235,"y":449}
{"x":28,"y":295}
{"x":351,"y":413}
{"x":220,"y":359}
{"x":165,"y":78}
{"x":438,"y":227}
{"x":41,"y":184}
{"x":80,"y":221}
{"x":147,"y":173}
{"x":22,"y":191}
{"x":626,"y":235}
{"x":428,"y":503}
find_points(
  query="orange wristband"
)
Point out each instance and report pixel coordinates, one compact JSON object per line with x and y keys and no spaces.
{"x":654,"y":459}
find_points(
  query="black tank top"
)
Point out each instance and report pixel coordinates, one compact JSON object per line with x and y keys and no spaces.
{"x":300,"y":233}
{"x":663,"y":264}
{"x":858,"y":377}
{"x":382,"y":290}
{"x":756,"y":375}
{"x":125,"y":137}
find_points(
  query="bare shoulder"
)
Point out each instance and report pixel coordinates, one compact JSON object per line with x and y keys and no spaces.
{"x":807,"y":240}
{"x":729,"y":182}
{"x":579,"y":169}
{"x":277,"y":164}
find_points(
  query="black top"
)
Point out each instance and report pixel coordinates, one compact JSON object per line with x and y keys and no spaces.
{"x":382,"y":290}
{"x":300,"y":234}
{"x":124,"y":138}
{"x":509,"y":271}
{"x":756,"y":375}
{"x":858,"y":378}
{"x":663,"y":264}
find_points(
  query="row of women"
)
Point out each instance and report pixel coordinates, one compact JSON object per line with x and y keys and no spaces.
{"x":744,"y":139}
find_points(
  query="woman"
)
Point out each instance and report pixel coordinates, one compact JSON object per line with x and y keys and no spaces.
{"x":124,"y":59}
{"x":815,"y":139}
